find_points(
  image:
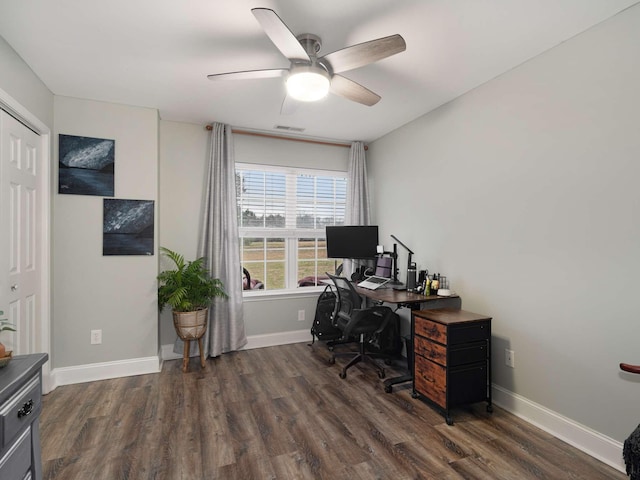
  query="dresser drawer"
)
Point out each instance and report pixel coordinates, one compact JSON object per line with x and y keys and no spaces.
{"x":469,"y":384}
{"x":18,"y":413}
{"x":16,"y":461}
{"x":467,"y":353}
{"x":432,"y":330}
{"x":431,"y":350}
{"x":431,"y":380}
{"x":469,"y":332}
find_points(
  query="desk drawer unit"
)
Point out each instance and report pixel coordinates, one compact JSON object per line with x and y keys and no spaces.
{"x":452,"y":358}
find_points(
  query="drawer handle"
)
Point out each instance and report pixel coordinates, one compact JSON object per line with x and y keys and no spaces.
{"x":26,"y":409}
{"x":428,"y":379}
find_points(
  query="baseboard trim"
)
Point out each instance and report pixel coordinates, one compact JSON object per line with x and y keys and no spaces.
{"x":253,"y":341}
{"x":589,"y":441}
{"x":103,"y":371}
{"x":274,"y":339}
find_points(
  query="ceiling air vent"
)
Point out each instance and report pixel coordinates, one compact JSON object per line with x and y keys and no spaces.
{"x":286,"y":128}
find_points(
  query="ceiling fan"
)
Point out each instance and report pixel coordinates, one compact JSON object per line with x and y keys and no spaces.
{"x":309,"y":77}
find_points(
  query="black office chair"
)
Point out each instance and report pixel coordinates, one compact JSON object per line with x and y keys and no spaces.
{"x":353,"y":320}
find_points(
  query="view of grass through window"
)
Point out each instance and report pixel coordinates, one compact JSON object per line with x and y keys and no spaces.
{"x":282,"y":214}
{"x":265,"y":260}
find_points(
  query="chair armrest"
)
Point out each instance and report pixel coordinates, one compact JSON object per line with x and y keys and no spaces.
{"x":630,"y":368}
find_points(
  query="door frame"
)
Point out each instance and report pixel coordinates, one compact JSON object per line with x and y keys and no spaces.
{"x":43,"y":337}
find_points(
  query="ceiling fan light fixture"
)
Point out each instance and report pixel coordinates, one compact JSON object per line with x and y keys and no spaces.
{"x":308,"y":83}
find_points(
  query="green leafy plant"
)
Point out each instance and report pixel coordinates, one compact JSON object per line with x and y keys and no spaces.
{"x":5,"y":324}
{"x":189,"y":286}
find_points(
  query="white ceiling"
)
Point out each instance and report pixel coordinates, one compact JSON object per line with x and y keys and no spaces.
{"x":157,"y":53}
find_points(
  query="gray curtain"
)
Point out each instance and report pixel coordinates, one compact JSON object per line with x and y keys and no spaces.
{"x":358,"y":212}
{"x":219,"y":244}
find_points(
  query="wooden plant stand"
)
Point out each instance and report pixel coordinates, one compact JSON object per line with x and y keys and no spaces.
{"x":191,"y":326}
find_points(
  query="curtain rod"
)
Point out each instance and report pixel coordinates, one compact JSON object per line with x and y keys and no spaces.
{"x":291,"y":139}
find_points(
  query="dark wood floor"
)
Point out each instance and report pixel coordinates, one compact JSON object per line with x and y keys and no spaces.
{"x":283,"y":413}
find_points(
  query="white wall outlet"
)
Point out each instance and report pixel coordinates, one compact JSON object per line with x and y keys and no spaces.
{"x":301,"y":315}
{"x":96,"y":337}
{"x":509,"y":358}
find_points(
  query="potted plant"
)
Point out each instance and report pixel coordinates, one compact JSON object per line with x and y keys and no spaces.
{"x":188,"y":289}
{"x":5,"y":325}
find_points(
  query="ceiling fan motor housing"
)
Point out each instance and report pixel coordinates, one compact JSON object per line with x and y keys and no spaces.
{"x":308,"y":83}
{"x":311,"y":43}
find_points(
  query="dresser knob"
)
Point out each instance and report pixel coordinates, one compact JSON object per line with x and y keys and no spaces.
{"x":26,"y":409}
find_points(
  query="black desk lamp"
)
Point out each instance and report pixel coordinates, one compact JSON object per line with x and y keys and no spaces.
{"x":394,"y":255}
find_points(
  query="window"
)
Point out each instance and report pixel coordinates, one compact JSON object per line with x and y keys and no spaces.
{"x":282,"y":214}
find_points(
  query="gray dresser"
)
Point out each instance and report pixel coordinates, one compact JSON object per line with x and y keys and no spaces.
{"x":20,"y":407}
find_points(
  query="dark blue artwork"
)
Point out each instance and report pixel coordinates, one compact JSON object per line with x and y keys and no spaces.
{"x":127,"y":227}
{"x":86,"y":165}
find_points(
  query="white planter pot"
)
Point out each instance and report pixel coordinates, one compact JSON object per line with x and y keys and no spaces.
{"x":190,"y":325}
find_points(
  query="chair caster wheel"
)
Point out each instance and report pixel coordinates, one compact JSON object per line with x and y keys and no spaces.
{"x":388,"y":389}
{"x":332,"y":361}
{"x":342,"y":375}
{"x":490,"y":408}
{"x":381,"y":374}
{"x":388,"y":361}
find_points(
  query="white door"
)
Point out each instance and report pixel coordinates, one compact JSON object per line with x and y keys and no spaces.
{"x":20,"y":234}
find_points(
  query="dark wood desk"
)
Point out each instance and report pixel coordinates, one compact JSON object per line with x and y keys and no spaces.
{"x":397,"y":297}
{"x":414,"y":301}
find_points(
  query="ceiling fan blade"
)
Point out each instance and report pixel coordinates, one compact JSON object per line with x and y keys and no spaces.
{"x":364,"y":53}
{"x":280,"y":34}
{"x":249,"y":74}
{"x":351,"y":90}
{"x":289,"y":105}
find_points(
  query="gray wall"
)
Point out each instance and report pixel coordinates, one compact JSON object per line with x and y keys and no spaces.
{"x":19,"y":81}
{"x":182,"y":171}
{"x":184,"y":149}
{"x":89,"y":291}
{"x":116,"y":294}
{"x":524,"y":192}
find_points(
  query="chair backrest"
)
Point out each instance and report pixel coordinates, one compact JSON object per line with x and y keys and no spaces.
{"x":347,"y":297}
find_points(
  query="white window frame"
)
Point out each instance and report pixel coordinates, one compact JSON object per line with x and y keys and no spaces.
{"x":290,"y":233}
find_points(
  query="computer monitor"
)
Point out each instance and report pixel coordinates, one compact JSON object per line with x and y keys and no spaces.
{"x":352,"y":241}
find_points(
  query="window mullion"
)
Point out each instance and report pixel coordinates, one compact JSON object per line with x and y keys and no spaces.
{"x":291,"y":201}
{"x":291,"y":266}
{"x":292,"y":262}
